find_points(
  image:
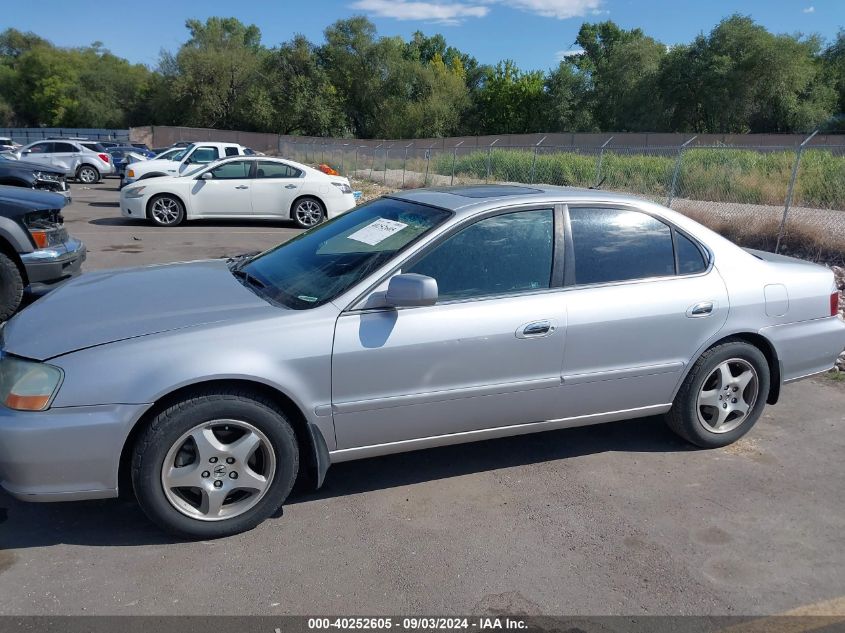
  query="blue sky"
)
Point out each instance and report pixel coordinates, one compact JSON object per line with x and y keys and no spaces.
{"x":532,"y":32}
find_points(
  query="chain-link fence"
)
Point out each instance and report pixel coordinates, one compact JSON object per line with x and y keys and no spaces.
{"x":756,"y":195}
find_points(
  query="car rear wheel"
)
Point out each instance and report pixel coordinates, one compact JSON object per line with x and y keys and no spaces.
{"x":166,"y":210}
{"x":309,"y":212}
{"x":722,"y":396}
{"x":11,"y":287}
{"x":87,"y":175}
{"x":215,"y":465}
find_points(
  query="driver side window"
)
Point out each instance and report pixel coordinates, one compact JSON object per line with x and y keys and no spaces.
{"x":204,"y":155}
{"x":499,"y":255}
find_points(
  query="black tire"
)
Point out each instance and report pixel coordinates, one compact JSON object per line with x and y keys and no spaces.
{"x":154,"y":443}
{"x":87,"y":174}
{"x":11,"y":287}
{"x":161,"y":218}
{"x":308,"y":212}
{"x":685,"y":417}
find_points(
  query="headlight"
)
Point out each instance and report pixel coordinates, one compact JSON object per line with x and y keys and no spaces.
{"x":134,"y":192}
{"x":27,"y":385}
{"x":40,"y":175}
{"x":344,"y":188}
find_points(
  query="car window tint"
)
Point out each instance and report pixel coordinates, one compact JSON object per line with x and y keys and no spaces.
{"x":204,"y":155}
{"x":65,"y":148}
{"x":231,"y":151}
{"x":618,"y":245}
{"x":690,"y":258}
{"x":229,"y":171}
{"x":499,"y":255}
{"x":271,"y":169}
{"x":41,"y":148}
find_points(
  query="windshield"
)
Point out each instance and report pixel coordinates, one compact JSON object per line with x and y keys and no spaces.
{"x":320,"y":264}
{"x":181,"y":155}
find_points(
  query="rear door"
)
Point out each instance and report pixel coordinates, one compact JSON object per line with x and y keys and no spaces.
{"x":274,"y":188}
{"x":488,"y":354}
{"x":65,"y":156}
{"x":643,"y":298}
{"x":226,"y":193}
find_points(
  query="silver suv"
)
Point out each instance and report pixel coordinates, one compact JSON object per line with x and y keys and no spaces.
{"x":73,"y":157}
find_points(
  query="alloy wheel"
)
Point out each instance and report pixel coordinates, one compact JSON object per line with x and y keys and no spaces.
{"x":308,"y":213}
{"x":87,"y":175}
{"x":218,"y":470}
{"x":165,"y":210}
{"x":727,"y":396}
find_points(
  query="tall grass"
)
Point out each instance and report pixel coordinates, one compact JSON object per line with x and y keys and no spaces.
{"x":712,"y":174}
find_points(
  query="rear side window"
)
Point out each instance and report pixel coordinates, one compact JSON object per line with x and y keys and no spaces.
{"x":619,"y":245}
{"x":690,"y":258}
{"x":271,"y":169}
{"x":231,"y":151}
{"x":499,"y":255}
{"x":64,"y":148}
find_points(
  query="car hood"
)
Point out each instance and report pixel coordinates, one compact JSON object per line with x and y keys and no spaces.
{"x":156,"y":164}
{"x":31,"y":199}
{"x":115,"y":305}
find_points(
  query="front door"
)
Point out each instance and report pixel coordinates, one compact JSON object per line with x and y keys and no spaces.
{"x":488,"y":354}
{"x":274,"y":188}
{"x":642,"y":301}
{"x":40,"y":153}
{"x":226,"y":193}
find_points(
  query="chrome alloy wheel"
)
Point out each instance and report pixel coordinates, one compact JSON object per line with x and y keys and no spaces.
{"x":165,"y":210}
{"x":218,"y":470}
{"x":308,"y":213}
{"x":727,"y":396}
{"x":87,"y":175}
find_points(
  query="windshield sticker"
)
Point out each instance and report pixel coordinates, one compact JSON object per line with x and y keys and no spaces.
{"x":377,"y":231}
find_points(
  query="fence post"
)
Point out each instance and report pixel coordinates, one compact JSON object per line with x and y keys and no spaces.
{"x":489,"y":152}
{"x":386,"y":154}
{"x":373,"y":163}
{"x":534,"y":160}
{"x":405,"y":163}
{"x":601,"y":158}
{"x":454,"y":158}
{"x":427,"y":163}
{"x":355,"y":165}
{"x":677,"y":170}
{"x":791,"y":187}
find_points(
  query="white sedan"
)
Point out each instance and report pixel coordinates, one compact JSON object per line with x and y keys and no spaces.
{"x":240,"y":187}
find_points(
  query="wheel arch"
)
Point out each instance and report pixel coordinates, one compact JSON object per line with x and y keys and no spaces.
{"x":314,"y":454}
{"x":761,"y":343}
{"x":8,"y":249}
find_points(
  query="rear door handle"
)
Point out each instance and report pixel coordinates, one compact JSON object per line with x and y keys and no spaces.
{"x":242,"y":187}
{"x":536,"y":329}
{"x":700,"y":309}
{"x":290,"y":186}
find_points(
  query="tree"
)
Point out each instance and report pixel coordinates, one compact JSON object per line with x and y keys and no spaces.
{"x":567,"y":91}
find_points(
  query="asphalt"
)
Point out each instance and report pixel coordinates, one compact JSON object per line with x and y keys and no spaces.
{"x":619,"y":518}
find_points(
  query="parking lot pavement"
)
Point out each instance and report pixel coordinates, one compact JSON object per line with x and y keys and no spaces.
{"x":620,"y":518}
{"x":114,"y":241}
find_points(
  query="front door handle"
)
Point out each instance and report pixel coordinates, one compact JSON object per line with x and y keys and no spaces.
{"x":535,"y":329}
{"x":290,"y":186}
{"x":242,"y":187}
{"x":700,"y":309}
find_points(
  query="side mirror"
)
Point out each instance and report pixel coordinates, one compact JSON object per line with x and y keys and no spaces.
{"x":410,"y":289}
{"x":207,"y":175}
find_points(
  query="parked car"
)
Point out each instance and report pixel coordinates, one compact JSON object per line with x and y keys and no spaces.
{"x":238,"y":188}
{"x":169,"y":153}
{"x":426,"y":318}
{"x":69,"y":156}
{"x":191,"y":156}
{"x":122,"y":156}
{"x":142,"y":146}
{"x":18,"y":173}
{"x":7,"y":144}
{"x":36,"y":252}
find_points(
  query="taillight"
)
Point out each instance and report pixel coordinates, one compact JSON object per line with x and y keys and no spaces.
{"x":834,"y":303}
{"x":104,"y":157}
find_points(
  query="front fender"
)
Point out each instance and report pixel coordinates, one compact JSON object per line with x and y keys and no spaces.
{"x":16,"y":236}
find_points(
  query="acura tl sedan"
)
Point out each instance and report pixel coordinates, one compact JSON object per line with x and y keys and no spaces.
{"x":427,"y":318}
{"x":240,"y":187}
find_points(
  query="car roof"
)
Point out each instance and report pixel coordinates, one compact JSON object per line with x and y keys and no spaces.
{"x":472,"y":198}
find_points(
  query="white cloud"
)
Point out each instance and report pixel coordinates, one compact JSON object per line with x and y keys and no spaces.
{"x":810,"y":9}
{"x":560,"y":9}
{"x":572,"y":52}
{"x":442,"y":12}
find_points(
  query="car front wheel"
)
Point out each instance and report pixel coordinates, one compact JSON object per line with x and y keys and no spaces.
{"x":215,"y":464}
{"x":722,"y":396}
{"x":166,"y":210}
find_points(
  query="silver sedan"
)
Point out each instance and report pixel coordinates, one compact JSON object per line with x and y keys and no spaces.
{"x":422,"y":319}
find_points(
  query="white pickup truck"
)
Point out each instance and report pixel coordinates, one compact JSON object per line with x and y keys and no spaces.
{"x":192,"y":156}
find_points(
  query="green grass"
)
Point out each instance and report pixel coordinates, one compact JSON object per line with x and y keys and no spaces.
{"x":712,"y":174}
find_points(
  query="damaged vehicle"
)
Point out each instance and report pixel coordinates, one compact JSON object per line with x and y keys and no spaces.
{"x":427,"y":318}
{"x":36,"y":252}
{"x":18,"y":173}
